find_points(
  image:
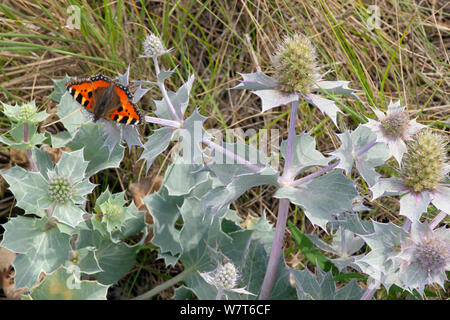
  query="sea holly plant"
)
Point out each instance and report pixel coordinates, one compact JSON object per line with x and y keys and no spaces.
{"x":74,"y":238}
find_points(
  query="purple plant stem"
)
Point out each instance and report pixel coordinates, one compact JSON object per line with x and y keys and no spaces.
{"x":368,"y":294}
{"x":162,"y":122}
{"x":407,"y":225}
{"x":366,"y":148}
{"x":315,"y":174}
{"x":164,"y":92}
{"x":434,"y":223}
{"x":28,"y":152}
{"x":230,"y":154}
{"x":283,"y":212}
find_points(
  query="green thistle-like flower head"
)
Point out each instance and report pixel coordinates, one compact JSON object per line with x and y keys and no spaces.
{"x":295,"y":64}
{"x":432,"y":254}
{"x":60,"y":189}
{"x":112,"y":211}
{"x":226,"y":276}
{"x":423,"y":167}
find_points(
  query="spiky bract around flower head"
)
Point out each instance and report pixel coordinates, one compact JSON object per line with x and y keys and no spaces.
{"x":424,"y":166}
{"x":295,"y":64}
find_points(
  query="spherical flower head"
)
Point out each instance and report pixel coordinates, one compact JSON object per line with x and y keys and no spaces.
{"x":432,"y":254}
{"x":226,"y":276}
{"x":295,"y":64}
{"x":396,"y":123}
{"x":60,"y":189}
{"x":27,"y":112}
{"x":424,"y":165}
{"x":153,"y":46}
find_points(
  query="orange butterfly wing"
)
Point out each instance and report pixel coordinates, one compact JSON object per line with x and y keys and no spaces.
{"x":82,"y":91}
{"x":127,"y":112}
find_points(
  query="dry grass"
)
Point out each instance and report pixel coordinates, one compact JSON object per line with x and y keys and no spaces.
{"x":406,"y":58}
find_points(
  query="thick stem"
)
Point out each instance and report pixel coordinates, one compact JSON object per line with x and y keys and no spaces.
{"x":407,"y":225}
{"x":315,"y":174}
{"x":232,"y":155}
{"x":370,"y":291}
{"x":283,"y":212}
{"x":366,"y":148}
{"x":162,"y":122}
{"x":164,"y":285}
{"x":219,"y":294}
{"x":164,"y":92}
{"x":26,"y":138}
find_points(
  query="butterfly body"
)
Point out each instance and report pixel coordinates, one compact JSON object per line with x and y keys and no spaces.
{"x":106,"y":99}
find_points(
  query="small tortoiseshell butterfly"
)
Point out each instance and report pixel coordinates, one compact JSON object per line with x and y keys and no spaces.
{"x":105,"y":98}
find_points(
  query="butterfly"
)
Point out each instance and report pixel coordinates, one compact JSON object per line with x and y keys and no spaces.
{"x":105,"y":98}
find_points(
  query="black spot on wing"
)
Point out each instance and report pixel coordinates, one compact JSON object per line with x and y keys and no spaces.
{"x":116,"y":117}
{"x":124,"y":120}
{"x":79,"y":98}
{"x":90,"y":94}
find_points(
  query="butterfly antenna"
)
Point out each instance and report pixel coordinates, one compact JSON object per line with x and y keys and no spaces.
{"x":63,"y":118}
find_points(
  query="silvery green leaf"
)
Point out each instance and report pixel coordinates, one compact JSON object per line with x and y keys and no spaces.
{"x":327,"y":106}
{"x":192,"y":134}
{"x":322,"y":197}
{"x":139,"y":93}
{"x":263,"y":231}
{"x":183,"y":293}
{"x":42,"y":160}
{"x":59,"y":88}
{"x":71,"y":114}
{"x":180,"y":101}
{"x":353,"y":223}
{"x":156,"y":144}
{"x":112,"y":135}
{"x":85,"y":261}
{"x":131,"y":136}
{"x":335,"y":87}
{"x":322,"y":287}
{"x":221,"y":196}
{"x":165,"y":212}
{"x":304,"y":154}
{"x":60,"y":139}
{"x":116,"y":259}
{"x":351,"y":142}
{"x":41,"y":249}
{"x":274,"y":98}
{"x":62,"y":285}
{"x":28,"y":187}
{"x":413,"y":204}
{"x":124,"y":78}
{"x":256,"y":81}
{"x":387,"y":187}
{"x":72,"y":165}
{"x":181,"y":178}
{"x":164,"y":74}
{"x":90,"y":139}
{"x":379,"y":263}
{"x":68,"y":213}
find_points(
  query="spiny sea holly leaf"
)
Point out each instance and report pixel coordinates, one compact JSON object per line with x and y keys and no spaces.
{"x":113,"y":134}
{"x":62,"y":285}
{"x":71,"y":114}
{"x":265,"y":87}
{"x":344,"y":244}
{"x":263,"y":230}
{"x":322,"y":287}
{"x":180,"y":101}
{"x":222,"y":196}
{"x":327,"y":106}
{"x":59,"y":88}
{"x":41,"y":247}
{"x":385,"y":244}
{"x":165,"y":212}
{"x":254,"y":269}
{"x":181,"y":178}
{"x":60,"y":139}
{"x":116,"y":259}
{"x":164,"y":74}
{"x":26,"y":112}
{"x":84,"y":261}
{"x":17,"y":137}
{"x":335,"y":87}
{"x":353,"y":223}
{"x":192,"y":134}
{"x":366,"y":162}
{"x":43,"y":161}
{"x":156,"y":144}
{"x":304,"y":154}
{"x":90,"y":139}
{"x":322,"y":197}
